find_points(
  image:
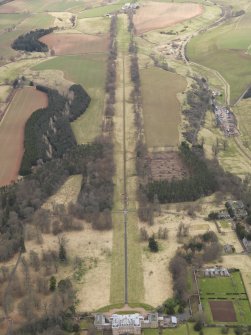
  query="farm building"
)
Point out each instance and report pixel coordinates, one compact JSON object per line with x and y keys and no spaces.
{"x":129,"y":6}
{"x":236,"y":209}
{"x":216,"y":272}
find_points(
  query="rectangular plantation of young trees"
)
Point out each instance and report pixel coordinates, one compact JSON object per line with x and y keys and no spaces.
{"x":24,"y":103}
{"x":161,"y":107}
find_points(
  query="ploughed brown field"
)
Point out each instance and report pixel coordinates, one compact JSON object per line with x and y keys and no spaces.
{"x":75,"y":44}
{"x":157,"y":15}
{"x":223,"y":311}
{"x":24,"y":103}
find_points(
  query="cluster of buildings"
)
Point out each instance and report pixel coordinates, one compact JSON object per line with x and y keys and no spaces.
{"x":130,"y":6}
{"x":225,"y":119}
{"x":133,"y":323}
{"x":236,"y":209}
{"x":216,"y":272}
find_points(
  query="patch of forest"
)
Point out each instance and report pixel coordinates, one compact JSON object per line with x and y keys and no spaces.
{"x":48,"y":132}
{"x":30,"y":41}
{"x":20,"y":203}
{"x":202,"y":181}
{"x":199,"y":102}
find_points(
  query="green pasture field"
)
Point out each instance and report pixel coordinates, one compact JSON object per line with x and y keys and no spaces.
{"x":161,"y":108}
{"x":225,"y":49}
{"x":37,"y":21}
{"x":10,"y":20}
{"x":102,"y":10}
{"x":242,"y":111}
{"x":95,"y":25}
{"x":229,"y":289}
{"x":6,"y":40}
{"x":89,"y":71}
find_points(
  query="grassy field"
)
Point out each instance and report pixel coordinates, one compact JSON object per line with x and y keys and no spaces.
{"x":242,"y":111}
{"x":35,"y":6}
{"x":36,"y":21}
{"x":228,"y":289}
{"x":24,"y":103}
{"x":89,"y":71}
{"x":230,"y":41}
{"x":102,"y":10}
{"x":10,"y":20}
{"x":96,"y":25}
{"x":161,"y":107}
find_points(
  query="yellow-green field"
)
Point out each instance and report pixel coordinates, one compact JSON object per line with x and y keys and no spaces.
{"x":243,"y":112}
{"x":161,"y":107}
{"x":227,"y":50}
{"x":89,"y":71}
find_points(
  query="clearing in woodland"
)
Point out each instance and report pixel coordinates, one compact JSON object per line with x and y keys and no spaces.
{"x":89,"y":71}
{"x":153,"y":15}
{"x":24,"y":103}
{"x":75,"y":44}
{"x":161,"y":107}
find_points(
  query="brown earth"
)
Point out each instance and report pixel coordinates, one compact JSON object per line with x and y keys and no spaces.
{"x":167,"y":166}
{"x":24,"y":103}
{"x":75,"y":44}
{"x":157,"y":15}
{"x":223,"y":311}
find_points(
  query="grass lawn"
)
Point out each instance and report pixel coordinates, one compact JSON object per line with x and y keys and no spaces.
{"x":229,"y":42}
{"x":161,"y":108}
{"x":89,"y":71}
{"x":222,"y":286}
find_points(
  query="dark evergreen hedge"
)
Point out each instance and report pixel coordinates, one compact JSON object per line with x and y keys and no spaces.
{"x":48,"y":132}
{"x":30,"y":41}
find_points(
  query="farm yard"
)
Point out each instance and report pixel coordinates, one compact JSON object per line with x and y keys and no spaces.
{"x":161,"y":107}
{"x":152,"y":15}
{"x":75,"y":44}
{"x":225,"y":300}
{"x":24,"y":103}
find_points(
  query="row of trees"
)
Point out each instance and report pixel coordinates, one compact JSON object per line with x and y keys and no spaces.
{"x":201,"y":182}
{"x":48,"y":132}
{"x":145,"y":210}
{"x":110,"y":85}
{"x":198,"y":250}
{"x":199,"y":102}
{"x":30,"y":41}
